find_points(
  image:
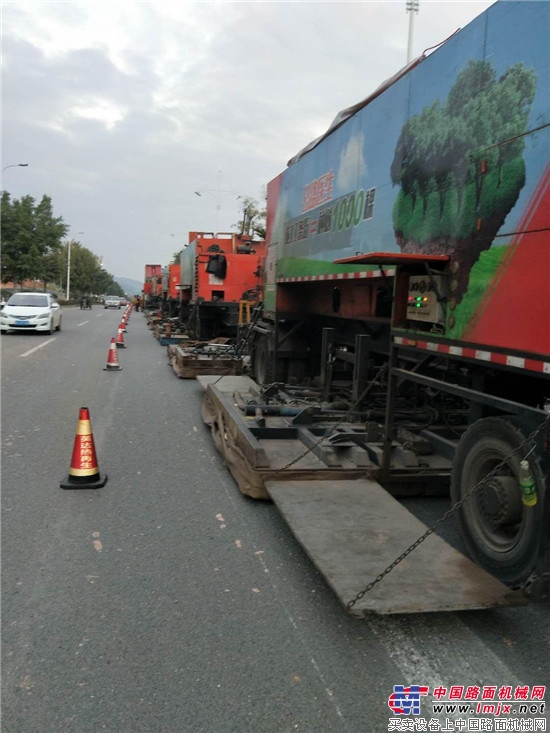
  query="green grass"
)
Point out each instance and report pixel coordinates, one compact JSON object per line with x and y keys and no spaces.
{"x":303,"y":267}
{"x":481,"y":276}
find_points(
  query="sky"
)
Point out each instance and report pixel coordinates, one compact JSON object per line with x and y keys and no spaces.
{"x":124,"y":109}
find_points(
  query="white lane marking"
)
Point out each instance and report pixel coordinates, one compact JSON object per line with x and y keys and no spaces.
{"x":83,"y":323}
{"x":408,"y":642}
{"x":460,"y":653}
{"x":31,"y":351}
{"x":321,"y":678}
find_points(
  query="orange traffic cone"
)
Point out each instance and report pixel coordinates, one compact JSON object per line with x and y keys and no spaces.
{"x":120,"y":339}
{"x":123,"y":325}
{"x":112,"y":358}
{"x":84,"y":471}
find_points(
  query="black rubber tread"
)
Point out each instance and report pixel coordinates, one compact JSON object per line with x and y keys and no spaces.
{"x":486,"y":442}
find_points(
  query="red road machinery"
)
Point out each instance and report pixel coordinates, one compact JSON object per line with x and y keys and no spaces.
{"x":408,"y":284}
{"x":152,"y":286}
{"x":220,"y":275}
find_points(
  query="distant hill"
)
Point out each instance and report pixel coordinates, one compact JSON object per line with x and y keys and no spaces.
{"x":130,"y":287}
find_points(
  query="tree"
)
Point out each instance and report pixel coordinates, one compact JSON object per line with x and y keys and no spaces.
{"x":404,"y":167}
{"x":84,"y":266}
{"x":453,"y":146}
{"x":101,"y":282}
{"x":477,"y":79}
{"x":30,"y":233}
{"x":512,"y":103}
{"x":254,"y":218}
{"x":87,"y":274}
{"x":32,"y":248}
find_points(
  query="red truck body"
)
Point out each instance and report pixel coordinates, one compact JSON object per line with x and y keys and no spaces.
{"x":217,"y":272}
{"x":409,"y":257}
{"x":221,"y":267}
{"x":171,"y":282}
{"x":152,"y":286}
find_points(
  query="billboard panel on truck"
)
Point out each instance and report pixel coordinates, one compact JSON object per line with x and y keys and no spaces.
{"x":451,"y":159}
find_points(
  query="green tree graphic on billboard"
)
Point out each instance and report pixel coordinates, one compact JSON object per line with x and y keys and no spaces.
{"x":460,"y":165}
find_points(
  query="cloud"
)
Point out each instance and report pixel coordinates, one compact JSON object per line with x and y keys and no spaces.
{"x":352,"y":165}
{"x":124,"y":109}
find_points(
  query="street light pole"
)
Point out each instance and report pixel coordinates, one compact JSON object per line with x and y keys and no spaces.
{"x":68,"y":269}
{"x":412,"y":8}
{"x":15,"y":165}
{"x":69,"y":266}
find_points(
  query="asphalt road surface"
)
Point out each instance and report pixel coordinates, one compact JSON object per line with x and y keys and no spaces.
{"x":167,"y":601}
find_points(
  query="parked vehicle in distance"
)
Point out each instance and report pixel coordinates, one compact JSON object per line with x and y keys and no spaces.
{"x":31,"y":312}
{"x":123,"y":301}
{"x":112,"y":301}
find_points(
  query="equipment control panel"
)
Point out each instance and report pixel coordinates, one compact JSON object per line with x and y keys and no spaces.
{"x":422,"y":303}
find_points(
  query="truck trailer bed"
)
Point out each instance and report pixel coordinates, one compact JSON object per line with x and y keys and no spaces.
{"x":349,"y":525}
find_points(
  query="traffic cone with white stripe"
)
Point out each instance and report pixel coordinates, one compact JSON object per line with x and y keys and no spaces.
{"x":112,"y":358}
{"x":120,"y":339}
{"x":84,"y":471}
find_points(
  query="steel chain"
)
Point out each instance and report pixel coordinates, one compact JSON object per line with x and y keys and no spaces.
{"x":445,"y":516}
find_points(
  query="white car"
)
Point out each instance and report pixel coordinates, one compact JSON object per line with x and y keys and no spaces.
{"x":31,"y":312}
{"x":112,"y":301}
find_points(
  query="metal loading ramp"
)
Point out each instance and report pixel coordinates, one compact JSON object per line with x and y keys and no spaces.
{"x":353,"y":529}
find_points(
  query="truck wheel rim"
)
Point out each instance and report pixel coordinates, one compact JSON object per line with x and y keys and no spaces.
{"x":495,"y":509}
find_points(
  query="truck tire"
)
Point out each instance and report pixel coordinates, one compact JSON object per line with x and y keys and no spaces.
{"x":500,"y":533}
